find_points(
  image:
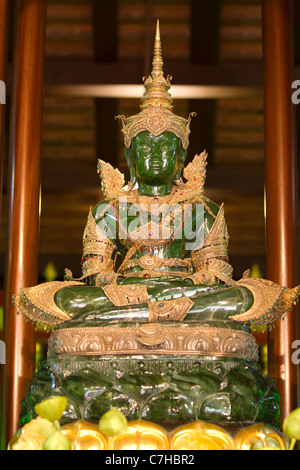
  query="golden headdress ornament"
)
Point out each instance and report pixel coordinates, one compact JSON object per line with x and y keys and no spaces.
{"x":156,"y":114}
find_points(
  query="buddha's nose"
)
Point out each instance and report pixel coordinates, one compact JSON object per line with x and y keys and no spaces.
{"x":155,"y":151}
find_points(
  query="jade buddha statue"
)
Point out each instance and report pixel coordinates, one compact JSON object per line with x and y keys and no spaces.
{"x":156,"y":325}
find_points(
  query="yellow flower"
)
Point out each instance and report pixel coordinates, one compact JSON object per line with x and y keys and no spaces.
{"x":34,"y":434}
{"x":57,"y":441}
{"x":52,"y":408}
{"x":112,"y":422}
{"x":291,"y":426}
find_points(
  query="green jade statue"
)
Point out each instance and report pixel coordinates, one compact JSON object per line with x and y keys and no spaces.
{"x":156,"y":326}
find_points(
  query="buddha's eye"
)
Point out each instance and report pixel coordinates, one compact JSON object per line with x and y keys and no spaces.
{"x":165,"y":148}
{"x":144,"y":148}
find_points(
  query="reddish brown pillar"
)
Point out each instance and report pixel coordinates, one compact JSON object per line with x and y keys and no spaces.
{"x":3,"y":60}
{"x":23,"y":200}
{"x":281,"y":189}
{"x":3,"y":36}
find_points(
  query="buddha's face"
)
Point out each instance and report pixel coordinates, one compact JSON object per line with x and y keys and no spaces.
{"x":158,"y":159}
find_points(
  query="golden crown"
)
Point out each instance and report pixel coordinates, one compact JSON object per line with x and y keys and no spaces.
{"x":156,"y":114}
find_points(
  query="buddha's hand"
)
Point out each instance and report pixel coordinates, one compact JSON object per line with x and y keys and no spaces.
{"x":204,"y":277}
{"x":99,"y":278}
{"x":106,"y":277}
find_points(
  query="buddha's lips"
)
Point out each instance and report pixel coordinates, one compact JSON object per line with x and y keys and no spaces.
{"x":155,"y":164}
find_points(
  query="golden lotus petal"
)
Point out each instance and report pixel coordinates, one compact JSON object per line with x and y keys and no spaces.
{"x":84,"y":436}
{"x":200,"y":436}
{"x":257,"y":437}
{"x":140,"y":435}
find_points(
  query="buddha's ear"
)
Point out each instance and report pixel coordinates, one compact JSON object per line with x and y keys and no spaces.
{"x":130,"y":164}
{"x":182,"y":157}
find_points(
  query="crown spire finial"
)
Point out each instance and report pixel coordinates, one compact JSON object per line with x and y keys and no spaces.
{"x":157,"y":63}
{"x":157,"y":34}
{"x":156,"y":114}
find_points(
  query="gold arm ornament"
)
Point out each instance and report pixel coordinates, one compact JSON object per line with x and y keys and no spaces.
{"x":98,"y":250}
{"x":95,"y":242}
{"x":96,"y":265}
{"x":37,"y":303}
{"x":213,"y":271}
{"x":210,"y":260}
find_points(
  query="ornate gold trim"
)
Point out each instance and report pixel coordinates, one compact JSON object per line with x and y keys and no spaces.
{"x":148,"y":273}
{"x":95,"y":265}
{"x":195,"y":172}
{"x":126,"y":295}
{"x":169,"y":310}
{"x":37,"y":303}
{"x":211,"y":251}
{"x":203,"y":277}
{"x":150,"y":334}
{"x":271,"y":301}
{"x":106,"y":277}
{"x":149,"y":339}
{"x":211,"y":259}
{"x":112,"y":180}
{"x":151,"y":263}
{"x":218,"y":234}
{"x":95,"y":242}
{"x":215,"y":242}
